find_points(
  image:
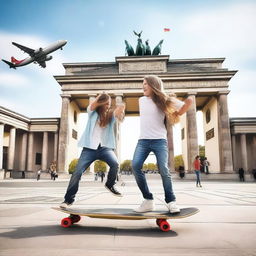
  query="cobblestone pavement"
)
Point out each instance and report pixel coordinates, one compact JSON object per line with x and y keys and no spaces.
{"x":225,"y":224}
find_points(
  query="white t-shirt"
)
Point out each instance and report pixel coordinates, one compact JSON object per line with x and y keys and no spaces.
{"x":97,"y":133}
{"x":152,"y":118}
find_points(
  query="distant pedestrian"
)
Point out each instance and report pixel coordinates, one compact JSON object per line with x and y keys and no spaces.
{"x":181,"y":171}
{"x":254,"y":174}
{"x":55,"y":175}
{"x":196,"y":165}
{"x":38,"y":174}
{"x":102,"y":175}
{"x":241,"y":174}
{"x":206,"y":165}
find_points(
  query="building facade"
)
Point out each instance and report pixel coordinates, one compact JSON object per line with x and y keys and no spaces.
{"x":243,"y":134}
{"x":26,"y":144}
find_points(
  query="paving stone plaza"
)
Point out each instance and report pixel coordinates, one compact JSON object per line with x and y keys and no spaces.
{"x":225,"y":224}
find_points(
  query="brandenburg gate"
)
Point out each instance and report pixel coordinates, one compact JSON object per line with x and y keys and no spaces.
{"x":204,"y":79}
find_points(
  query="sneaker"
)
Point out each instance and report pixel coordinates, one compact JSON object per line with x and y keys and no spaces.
{"x":113,"y":190}
{"x":65,"y":205}
{"x":146,"y":206}
{"x":173,"y":208}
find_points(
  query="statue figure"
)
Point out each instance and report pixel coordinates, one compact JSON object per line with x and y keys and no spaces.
{"x":148,"y":50}
{"x":140,"y":49}
{"x":157,"y":49}
{"x":138,"y":34}
{"x":129,"y":50}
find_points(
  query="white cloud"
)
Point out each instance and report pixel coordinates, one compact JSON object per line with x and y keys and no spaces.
{"x":13,"y":80}
{"x":227,"y":31}
{"x":16,"y":106}
{"x":244,"y":81}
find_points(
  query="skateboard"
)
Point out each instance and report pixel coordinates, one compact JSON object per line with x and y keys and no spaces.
{"x":123,"y":214}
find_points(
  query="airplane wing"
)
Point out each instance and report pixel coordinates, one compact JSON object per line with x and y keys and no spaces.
{"x":42,"y":63}
{"x":25,"y":49}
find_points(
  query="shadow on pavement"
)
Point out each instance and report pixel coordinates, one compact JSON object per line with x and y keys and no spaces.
{"x":53,"y":230}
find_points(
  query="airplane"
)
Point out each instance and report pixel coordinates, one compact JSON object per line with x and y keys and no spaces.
{"x":39,"y":56}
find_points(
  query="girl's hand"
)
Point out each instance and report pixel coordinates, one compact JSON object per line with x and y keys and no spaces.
{"x":119,"y":112}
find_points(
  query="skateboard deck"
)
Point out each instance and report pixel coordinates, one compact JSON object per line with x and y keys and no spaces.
{"x":124,"y":214}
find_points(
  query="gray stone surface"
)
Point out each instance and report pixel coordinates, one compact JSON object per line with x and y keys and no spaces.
{"x":225,"y":224}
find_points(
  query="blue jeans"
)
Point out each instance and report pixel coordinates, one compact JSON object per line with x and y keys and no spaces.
{"x":160,"y":149}
{"x":198,"y":181}
{"x":86,"y":158}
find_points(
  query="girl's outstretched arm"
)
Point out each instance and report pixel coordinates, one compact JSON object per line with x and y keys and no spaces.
{"x":187,"y":103}
{"x":119,"y":111}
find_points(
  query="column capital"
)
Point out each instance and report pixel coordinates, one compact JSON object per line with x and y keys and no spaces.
{"x":192,"y":93}
{"x":119,"y":94}
{"x":92,"y":95}
{"x":224,"y":92}
{"x":65,"y":96}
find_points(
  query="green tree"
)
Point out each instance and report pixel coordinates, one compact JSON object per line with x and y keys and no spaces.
{"x":72,"y":166}
{"x":201,"y":151}
{"x":178,"y":161}
{"x":145,"y":167}
{"x":126,"y":165}
{"x":152,"y":167}
{"x":100,"y":166}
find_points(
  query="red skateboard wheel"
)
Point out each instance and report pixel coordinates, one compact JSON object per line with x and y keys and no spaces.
{"x":164,"y":226}
{"x":158,"y":221}
{"x":66,"y":222}
{"x":75,"y":218}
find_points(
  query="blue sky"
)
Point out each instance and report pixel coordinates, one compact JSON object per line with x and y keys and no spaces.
{"x":96,"y":30}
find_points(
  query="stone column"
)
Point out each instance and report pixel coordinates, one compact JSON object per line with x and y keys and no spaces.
{"x":30,"y":151}
{"x":63,"y":134}
{"x":226,"y":163}
{"x":24,"y":144}
{"x":244,"y":152}
{"x":1,"y":145}
{"x":192,"y":132}
{"x":55,"y":147}
{"x":170,"y":146}
{"x":45,"y":152}
{"x":119,"y":100}
{"x":233,"y":137}
{"x":11,"y":149}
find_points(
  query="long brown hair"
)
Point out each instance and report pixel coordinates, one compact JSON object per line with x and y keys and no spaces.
{"x":104,"y":115}
{"x":159,"y":97}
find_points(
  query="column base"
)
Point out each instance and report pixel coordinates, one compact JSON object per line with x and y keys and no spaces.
{"x":2,"y":172}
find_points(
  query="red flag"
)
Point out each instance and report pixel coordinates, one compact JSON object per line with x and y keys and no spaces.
{"x":167,"y":29}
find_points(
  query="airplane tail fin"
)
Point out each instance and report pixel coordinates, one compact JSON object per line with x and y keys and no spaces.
{"x":11,"y":65}
{"x":14,"y":61}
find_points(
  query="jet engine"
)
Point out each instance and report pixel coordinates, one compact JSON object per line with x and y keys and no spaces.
{"x":48,"y":58}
